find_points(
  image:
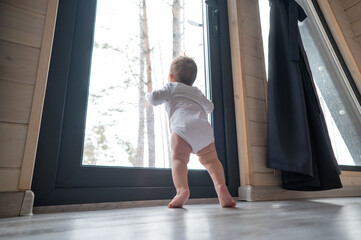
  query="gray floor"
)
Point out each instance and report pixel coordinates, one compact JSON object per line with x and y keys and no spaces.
{"x":337,"y":218}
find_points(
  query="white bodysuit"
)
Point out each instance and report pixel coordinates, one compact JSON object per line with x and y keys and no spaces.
{"x":187,"y":110}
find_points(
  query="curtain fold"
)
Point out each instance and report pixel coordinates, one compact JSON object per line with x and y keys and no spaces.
{"x":297,"y":139}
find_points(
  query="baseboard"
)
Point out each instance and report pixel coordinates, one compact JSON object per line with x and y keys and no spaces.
{"x":13,"y":204}
{"x":115,"y":205}
{"x":260,"y":193}
{"x":28,"y":203}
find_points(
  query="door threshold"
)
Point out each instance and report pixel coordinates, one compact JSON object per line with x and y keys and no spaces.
{"x":115,"y":205}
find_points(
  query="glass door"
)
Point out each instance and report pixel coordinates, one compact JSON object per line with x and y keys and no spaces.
{"x":337,"y":92}
{"x":99,"y":140}
{"x":121,"y":128}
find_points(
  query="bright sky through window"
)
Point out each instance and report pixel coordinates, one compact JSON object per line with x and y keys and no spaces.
{"x":113,"y":109}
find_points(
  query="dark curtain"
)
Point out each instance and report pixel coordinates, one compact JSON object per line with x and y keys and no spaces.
{"x":297,"y":142}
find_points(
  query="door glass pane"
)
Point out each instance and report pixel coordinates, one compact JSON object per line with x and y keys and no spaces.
{"x":340,"y":107}
{"x":117,"y":122}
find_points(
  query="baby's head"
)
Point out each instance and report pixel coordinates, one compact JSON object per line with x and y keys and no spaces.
{"x":183,"y":69}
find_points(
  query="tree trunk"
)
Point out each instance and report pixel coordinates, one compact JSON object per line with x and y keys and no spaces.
{"x":149,"y":108}
{"x":164,"y":118}
{"x":139,"y":160}
{"x":177,"y":29}
{"x":177,"y":10}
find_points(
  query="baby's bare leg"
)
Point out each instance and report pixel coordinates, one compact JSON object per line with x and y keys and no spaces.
{"x":181,"y":151}
{"x":209,"y":159}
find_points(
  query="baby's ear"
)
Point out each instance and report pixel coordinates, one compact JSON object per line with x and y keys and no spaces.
{"x":171,"y":78}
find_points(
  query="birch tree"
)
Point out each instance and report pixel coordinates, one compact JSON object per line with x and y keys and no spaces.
{"x":149,"y":108}
{"x":177,"y":9}
{"x":139,"y":161}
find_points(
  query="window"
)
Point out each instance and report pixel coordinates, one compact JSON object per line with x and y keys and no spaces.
{"x":337,"y":95}
{"x":60,"y":175}
{"x":117,"y":125}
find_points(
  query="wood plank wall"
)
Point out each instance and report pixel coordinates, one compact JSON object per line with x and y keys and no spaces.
{"x":26,"y":36}
{"x":250,"y":84}
{"x":353,"y":11}
{"x":250,"y":93}
{"x":344,"y":20}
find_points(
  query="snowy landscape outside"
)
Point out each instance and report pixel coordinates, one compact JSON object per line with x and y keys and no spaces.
{"x":118,"y":116}
{"x":120,"y":128}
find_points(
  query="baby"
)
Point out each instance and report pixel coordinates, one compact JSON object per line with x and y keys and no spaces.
{"x":187,"y":110}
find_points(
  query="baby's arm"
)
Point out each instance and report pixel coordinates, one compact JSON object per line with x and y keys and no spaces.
{"x":158,"y":97}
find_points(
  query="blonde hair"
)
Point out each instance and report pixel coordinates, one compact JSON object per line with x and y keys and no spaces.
{"x":184,"y":70}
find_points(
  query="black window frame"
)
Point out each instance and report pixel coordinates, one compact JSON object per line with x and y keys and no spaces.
{"x":350,"y":79}
{"x":60,"y":178}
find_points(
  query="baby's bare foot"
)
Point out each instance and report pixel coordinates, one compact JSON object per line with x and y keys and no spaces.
{"x":225,"y":199}
{"x":180,"y":199}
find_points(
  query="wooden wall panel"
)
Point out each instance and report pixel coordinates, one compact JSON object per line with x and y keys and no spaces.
{"x":257,"y":110}
{"x":37,"y":104}
{"x":267,"y":179}
{"x":357,"y":57}
{"x":341,"y":29}
{"x":259,"y":160}
{"x":349,"y":3}
{"x":240,"y":92}
{"x":356,"y":27}
{"x":258,"y":134}
{"x":9,"y":179}
{"x":15,"y":101}
{"x":26,"y":37}
{"x":12,"y":144}
{"x":253,"y":67}
{"x":10,"y":204}
{"x":337,"y":3}
{"x":251,"y":46}
{"x":37,"y":6}
{"x":248,"y":26}
{"x":18,"y":62}
{"x":359,"y":40}
{"x":351,"y":180}
{"x":353,"y":12}
{"x":354,"y":45}
{"x":251,"y":74}
{"x":21,"y":26}
{"x":248,"y":8}
{"x":255,"y":87}
{"x":340,"y":11}
{"x":346,"y":30}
